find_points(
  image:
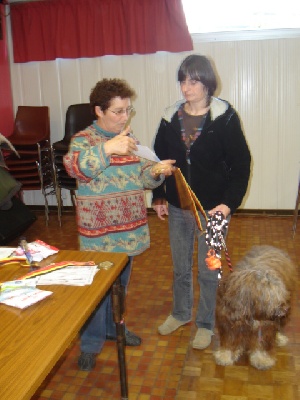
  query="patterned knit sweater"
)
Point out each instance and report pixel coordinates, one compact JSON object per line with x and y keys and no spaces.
{"x":110,"y":203}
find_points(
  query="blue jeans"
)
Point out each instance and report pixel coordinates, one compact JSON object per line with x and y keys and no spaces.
{"x":182,"y":232}
{"x":101,"y":323}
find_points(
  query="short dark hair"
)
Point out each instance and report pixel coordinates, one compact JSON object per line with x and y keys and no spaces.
{"x":198,"y":68}
{"x":106,"y":89}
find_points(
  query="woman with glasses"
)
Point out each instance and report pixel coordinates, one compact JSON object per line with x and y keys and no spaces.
{"x":203,"y":133}
{"x":110,"y":205}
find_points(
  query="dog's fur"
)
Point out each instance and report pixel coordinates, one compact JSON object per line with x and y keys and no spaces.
{"x":253,"y":303}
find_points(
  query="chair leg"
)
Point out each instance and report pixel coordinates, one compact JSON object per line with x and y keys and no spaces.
{"x":59,"y":204}
{"x":45,"y":166}
{"x":57,"y":187}
{"x":43,"y":192}
{"x":73,"y":198}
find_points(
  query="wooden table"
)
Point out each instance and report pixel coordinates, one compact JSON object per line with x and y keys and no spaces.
{"x":32,"y":340}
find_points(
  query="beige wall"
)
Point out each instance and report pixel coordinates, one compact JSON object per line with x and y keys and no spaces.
{"x":258,"y":75}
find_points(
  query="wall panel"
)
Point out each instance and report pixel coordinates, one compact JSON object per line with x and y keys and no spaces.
{"x":259,"y":77}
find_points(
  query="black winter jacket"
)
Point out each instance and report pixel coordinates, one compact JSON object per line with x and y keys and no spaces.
{"x":219,"y":167}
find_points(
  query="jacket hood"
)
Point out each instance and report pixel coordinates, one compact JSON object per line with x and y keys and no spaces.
{"x":217,"y":107}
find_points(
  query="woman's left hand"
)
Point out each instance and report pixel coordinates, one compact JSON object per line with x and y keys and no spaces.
{"x":221,"y":207}
{"x":164,"y":167}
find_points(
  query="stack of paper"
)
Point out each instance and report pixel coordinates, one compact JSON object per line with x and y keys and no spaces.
{"x":6,"y":252}
{"x":38,"y":250}
{"x":21,"y":294}
{"x":72,"y":275}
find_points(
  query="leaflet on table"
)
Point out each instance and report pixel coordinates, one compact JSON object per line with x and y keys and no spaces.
{"x":7,"y":256}
{"x":6,"y":252}
{"x":71,"y":275}
{"x":38,"y":249}
{"x":21,"y":294}
{"x":54,"y":267}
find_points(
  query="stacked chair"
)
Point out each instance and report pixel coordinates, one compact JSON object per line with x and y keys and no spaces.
{"x":31,"y":138}
{"x":78,"y":117}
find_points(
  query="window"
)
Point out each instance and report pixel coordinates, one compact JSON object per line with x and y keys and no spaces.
{"x":238,"y":15}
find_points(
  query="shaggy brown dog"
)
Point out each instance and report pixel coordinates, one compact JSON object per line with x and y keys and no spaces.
{"x":253,"y":303}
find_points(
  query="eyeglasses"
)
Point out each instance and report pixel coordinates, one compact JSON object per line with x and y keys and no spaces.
{"x":119,"y":113}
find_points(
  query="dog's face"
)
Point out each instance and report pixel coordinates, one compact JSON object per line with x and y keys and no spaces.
{"x":255,"y":294}
{"x":282,"y":310}
{"x":273,"y":298}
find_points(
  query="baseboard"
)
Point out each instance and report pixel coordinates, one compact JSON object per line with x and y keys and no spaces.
{"x":253,"y":212}
{"x":52,"y":209}
{"x":281,"y":213}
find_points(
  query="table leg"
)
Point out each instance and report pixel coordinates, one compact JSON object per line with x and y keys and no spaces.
{"x":118,"y":311}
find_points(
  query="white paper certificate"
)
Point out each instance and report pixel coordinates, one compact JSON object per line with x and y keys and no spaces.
{"x":145,"y":152}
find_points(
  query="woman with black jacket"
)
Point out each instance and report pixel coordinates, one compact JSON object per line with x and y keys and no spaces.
{"x":204,"y":135}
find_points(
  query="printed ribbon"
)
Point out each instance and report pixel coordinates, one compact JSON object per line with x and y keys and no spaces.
{"x":54,"y":267}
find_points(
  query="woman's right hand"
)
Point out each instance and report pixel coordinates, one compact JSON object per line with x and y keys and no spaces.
{"x":160,"y":207}
{"x":121,"y":144}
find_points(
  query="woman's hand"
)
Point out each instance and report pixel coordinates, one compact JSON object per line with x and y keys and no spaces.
{"x":160,"y":207}
{"x":164,"y":167}
{"x":122,"y":144}
{"x":221,"y":207}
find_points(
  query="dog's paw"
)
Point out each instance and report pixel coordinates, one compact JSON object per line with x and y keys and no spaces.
{"x":281,"y":339}
{"x":261,"y":360}
{"x":224,"y":357}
